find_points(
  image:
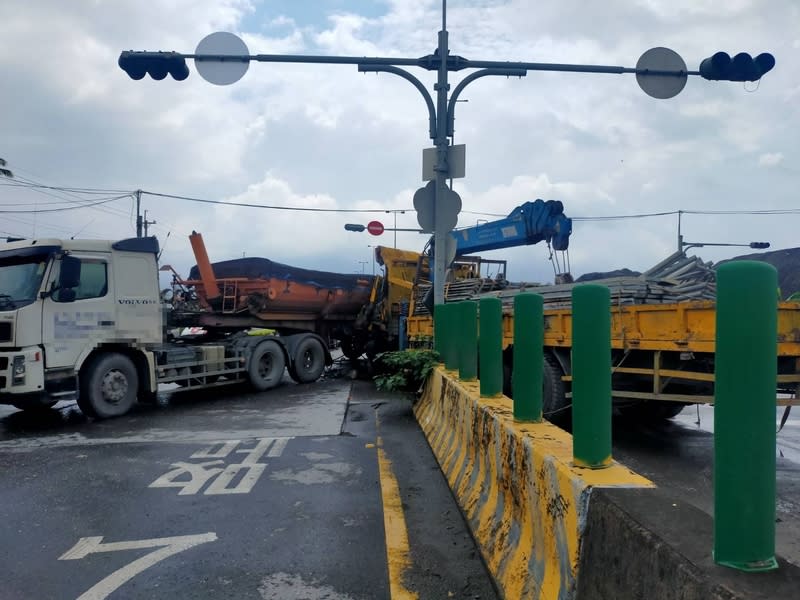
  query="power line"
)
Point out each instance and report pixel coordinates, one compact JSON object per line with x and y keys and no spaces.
{"x":86,"y":203}
{"x":267,"y":206}
{"x":777,"y":211}
{"x":43,"y":189}
{"x":64,"y":208}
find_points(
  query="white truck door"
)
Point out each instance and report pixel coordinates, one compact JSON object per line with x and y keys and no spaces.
{"x":77,"y":319}
{"x":137,"y":298}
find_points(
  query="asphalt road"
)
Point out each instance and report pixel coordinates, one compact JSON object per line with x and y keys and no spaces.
{"x":283,"y":494}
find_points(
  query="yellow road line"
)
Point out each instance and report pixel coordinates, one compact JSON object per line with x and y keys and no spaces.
{"x":398,"y":554}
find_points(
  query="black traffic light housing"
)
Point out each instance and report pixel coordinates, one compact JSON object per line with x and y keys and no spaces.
{"x":156,"y":64}
{"x":354,"y":227}
{"x":742,"y":67}
{"x":759,"y":245}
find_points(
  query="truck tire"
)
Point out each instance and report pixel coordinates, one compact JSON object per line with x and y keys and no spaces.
{"x":267,"y":363}
{"x":555,"y":407}
{"x":308,"y":361}
{"x":109,"y":386}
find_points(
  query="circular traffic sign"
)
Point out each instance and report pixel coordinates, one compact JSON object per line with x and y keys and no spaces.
{"x":659,"y":84}
{"x":220,"y":71}
{"x":375,"y":227}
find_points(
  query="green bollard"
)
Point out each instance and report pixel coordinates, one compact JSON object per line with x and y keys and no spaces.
{"x":591,"y":376}
{"x":468,"y":341}
{"x":744,"y":416}
{"x":491,"y":347}
{"x":528,"y":357}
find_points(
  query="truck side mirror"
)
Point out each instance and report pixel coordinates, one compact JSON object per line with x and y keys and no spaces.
{"x":70,"y":274}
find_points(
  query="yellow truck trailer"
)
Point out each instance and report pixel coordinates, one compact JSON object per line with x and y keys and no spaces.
{"x":662,"y":356}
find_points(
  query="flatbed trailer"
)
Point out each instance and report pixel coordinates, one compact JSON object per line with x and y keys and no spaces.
{"x":662,"y":355}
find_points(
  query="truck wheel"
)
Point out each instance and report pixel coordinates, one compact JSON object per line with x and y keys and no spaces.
{"x":109,"y":386}
{"x":309,"y":361}
{"x":554,"y":402}
{"x":266,"y":365}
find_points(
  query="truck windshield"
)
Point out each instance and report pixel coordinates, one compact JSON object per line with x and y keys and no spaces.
{"x":20,"y":279}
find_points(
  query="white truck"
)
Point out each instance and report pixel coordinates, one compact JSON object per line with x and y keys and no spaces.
{"x":84,"y":320}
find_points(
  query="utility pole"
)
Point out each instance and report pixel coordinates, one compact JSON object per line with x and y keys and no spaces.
{"x":146,"y":223}
{"x":138,"y":213}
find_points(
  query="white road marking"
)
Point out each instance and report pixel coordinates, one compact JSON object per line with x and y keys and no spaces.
{"x":201,"y":473}
{"x":166,"y":548}
{"x":245,"y":485}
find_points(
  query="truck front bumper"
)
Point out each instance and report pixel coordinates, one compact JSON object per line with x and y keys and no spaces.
{"x":21,"y":374}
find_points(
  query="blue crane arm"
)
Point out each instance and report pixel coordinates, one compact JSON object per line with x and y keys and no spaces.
{"x":530,"y":223}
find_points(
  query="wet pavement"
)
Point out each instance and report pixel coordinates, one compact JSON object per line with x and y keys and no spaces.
{"x":229,"y":495}
{"x":678,"y":455}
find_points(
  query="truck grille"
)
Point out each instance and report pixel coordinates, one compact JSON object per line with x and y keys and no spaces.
{"x":5,"y":331}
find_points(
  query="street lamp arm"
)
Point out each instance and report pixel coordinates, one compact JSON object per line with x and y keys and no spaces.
{"x":371,"y":68}
{"x":756,"y":245}
{"x":451,"y":109}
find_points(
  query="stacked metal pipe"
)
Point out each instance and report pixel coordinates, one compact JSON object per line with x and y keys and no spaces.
{"x":678,"y":278}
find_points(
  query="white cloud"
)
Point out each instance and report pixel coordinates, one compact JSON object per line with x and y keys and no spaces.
{"x":328,"y":136}
{"x":770,"y":159}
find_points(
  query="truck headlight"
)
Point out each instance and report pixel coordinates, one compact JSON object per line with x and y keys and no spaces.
{"x":18,"y":370}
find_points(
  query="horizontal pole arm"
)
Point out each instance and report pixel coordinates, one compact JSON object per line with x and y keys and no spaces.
{"x":614,"y":70}
{"x":306,"y":58}
{"x":454,"y":63}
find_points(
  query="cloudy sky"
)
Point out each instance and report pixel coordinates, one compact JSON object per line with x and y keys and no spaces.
{"x":326,"y":136}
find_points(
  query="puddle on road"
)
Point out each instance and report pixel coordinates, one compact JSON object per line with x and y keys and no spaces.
{"x":788,"y":439}
{"x":283,"y":585}
{"x":319,"y":472}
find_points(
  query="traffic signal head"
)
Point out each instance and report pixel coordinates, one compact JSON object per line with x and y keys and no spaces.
{"x":742,"y":67}
{"x":759,"y":245}
{"x":157,"y":64}
{"x":354,"y":227}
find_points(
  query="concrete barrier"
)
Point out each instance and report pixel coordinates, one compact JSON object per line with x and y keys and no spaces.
{"x":642,"y":544}
{"x":526,"y":504}
{"x":550,"y":530}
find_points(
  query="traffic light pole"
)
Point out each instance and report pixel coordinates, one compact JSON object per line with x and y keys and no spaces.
{"x":660,"y":72}
{"x":441,"y":168}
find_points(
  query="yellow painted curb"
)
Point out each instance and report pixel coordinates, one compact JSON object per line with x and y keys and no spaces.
{"x":525,"y":502}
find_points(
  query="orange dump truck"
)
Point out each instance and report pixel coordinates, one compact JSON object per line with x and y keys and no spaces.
{"x":361,"y":312}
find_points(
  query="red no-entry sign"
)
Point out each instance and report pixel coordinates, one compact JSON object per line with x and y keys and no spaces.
{"x":375,"y":227}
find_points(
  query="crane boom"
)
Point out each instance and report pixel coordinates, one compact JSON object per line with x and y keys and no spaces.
{"x":529,"y":223}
